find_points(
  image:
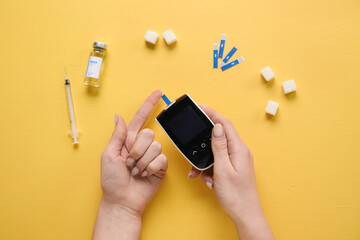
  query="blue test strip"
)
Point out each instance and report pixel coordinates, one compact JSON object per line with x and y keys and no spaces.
{"x":166,"y":100}
{"x":233,"y":63}
{"x":222,"y":45}
{"x":215,"y":64}
{"x":228,"y":56}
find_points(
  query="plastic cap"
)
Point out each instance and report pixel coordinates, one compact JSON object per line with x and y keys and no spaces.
{"x":99,"y":45}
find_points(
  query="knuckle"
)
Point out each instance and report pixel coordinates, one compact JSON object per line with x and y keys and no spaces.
{"x":132,"y":135}
{"x":135,"y":154}
{"x":246,"y":151}
{"x":164,"y":161}
{"x":163,"y":158}
{"x":161,"y":163}
{"x":141,"y":115}
{"x":157,"y":146}
{"x":228,"y":122}
{"x":150,"y":168}
{"x":220,"y":145}
{"x":147,"y":133}
{"x":141,"y":165}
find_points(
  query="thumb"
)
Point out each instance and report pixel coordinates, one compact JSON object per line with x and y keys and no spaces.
{"x":219,"y":147}
{"x":119,"y":135}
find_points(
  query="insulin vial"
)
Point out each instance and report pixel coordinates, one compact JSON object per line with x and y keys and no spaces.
{"x":93,"y":70}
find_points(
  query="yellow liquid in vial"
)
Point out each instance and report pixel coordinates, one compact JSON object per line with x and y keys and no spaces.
{"x":91,"y":80}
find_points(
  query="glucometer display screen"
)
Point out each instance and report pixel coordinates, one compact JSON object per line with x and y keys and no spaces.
{"x":186,"y":124}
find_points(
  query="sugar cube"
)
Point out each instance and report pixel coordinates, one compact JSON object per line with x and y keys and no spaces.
{"x":267,"y":74}
{"x":169,"y":37}
{"x":151,"y":37}
{"x":271,"y":107}
{"x":289,"y":86}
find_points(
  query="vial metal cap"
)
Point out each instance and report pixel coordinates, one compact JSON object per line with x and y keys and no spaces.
{"x":99,"y":45}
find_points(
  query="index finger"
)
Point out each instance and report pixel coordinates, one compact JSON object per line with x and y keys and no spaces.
{"x":144,"y":112}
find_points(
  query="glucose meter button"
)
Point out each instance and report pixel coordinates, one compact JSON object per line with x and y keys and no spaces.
{"x":195,"y":152}
{"x":203,"y":145}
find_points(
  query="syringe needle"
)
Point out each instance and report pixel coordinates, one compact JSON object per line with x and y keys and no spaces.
{"x":66,"y":76}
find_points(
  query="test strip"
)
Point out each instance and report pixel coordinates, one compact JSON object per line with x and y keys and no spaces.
{"x":222,"y":45}
{"x":228,"y":56}
{"x":233,"y":63}
{"x":166,"y":100}
{"x":215,"y":64}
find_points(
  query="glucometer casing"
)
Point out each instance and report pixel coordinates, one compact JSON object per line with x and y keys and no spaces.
{"x":189,"y":128}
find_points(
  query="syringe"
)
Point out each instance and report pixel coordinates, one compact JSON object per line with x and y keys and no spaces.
{"x":74,"y":132}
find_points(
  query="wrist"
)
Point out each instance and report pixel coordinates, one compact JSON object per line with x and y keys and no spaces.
{"x":119,"y":212}
{"x":245,"y":219}
{"x":115,"y":221}
{"x":246,"y":210}
{"x":251,"y":223}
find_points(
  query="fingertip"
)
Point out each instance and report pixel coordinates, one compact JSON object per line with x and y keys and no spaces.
{"x":218,"y":130}
{"x":121,"y":125}
{"x":208,"y":111}
{"x":158,"y":166}
{"x":154,"y":98}
{"x":144,"y":173}
{"x":130,"y":161}
{"x":157,"y":94}
{"x":116,"y":119}
{"x":119,"y":120}
{"x":208,"y":180}
{"x":205,"y":108}
{"x":190,"y":173}
{"x":194,"y":173}
{"x":135,"y":171}
{"x":119,"y":134}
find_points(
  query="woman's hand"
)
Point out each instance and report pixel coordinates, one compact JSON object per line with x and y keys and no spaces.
{"x":132,"y":169}
{"x":233,"y":178}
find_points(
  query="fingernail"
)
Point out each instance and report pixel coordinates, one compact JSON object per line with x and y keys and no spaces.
{"x":130,"y":161}
{"x":144,"y":173}
{"x":202,"y":105}
{"x":218,"y":130}
{"x":189,"y":175}
{"x":116,"y":119}
{"x":162,"y":91}
{"x":209,"y":184}
{"x":134,"y":171}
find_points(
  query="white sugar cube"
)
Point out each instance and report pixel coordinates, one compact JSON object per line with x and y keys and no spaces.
{"x":151,"y":37}
{"x":169,"y":37}
{"x":289,"y":86}
{"x":271,"y":107}
{"x":267,"y":74}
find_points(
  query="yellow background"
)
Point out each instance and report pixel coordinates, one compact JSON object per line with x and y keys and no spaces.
{"x":307,"y":158}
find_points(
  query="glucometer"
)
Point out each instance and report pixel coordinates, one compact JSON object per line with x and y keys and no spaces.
{"x":189,"y":128}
